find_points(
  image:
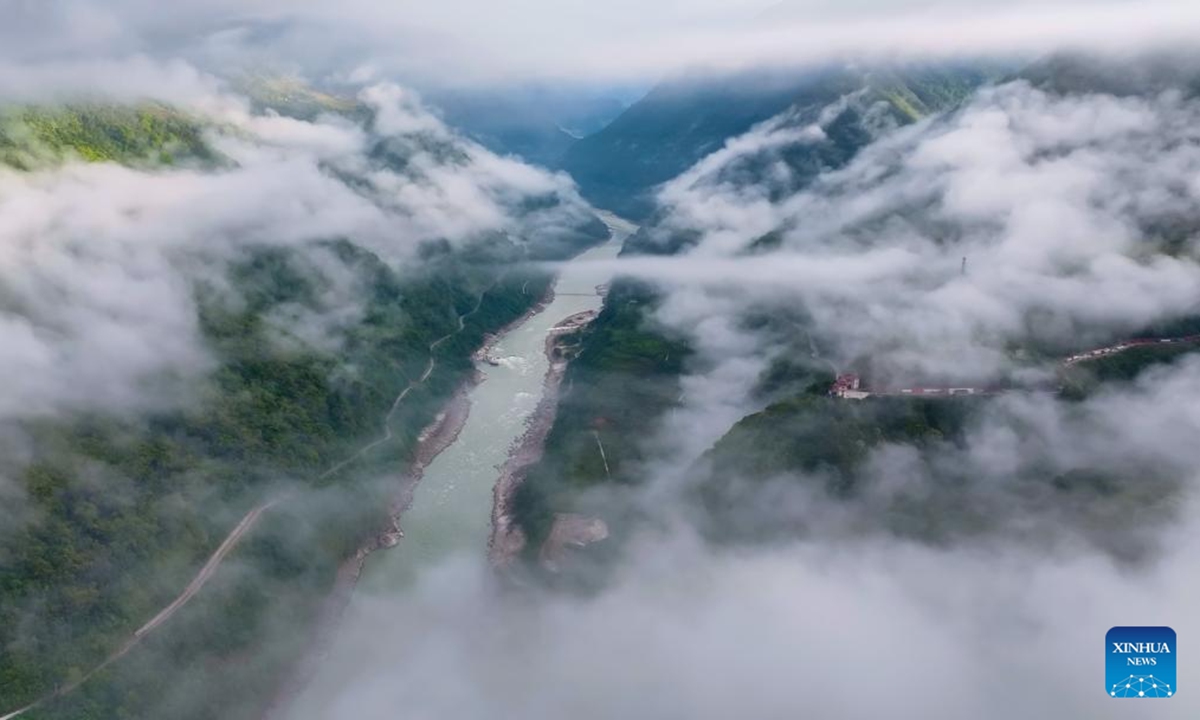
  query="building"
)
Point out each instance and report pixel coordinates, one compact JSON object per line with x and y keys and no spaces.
{"x":849,"y":386}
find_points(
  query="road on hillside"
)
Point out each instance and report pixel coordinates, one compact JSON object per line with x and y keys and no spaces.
{"x":246,"y":524}
{"x":1067,"y":362}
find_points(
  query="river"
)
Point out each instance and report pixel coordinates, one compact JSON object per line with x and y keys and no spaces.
{"x":449,"y":521}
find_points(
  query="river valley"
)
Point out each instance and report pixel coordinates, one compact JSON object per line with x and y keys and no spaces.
{"x":449,"y":521}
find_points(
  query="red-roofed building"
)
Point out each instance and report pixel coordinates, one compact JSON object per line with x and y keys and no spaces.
{"x":849,"y":386}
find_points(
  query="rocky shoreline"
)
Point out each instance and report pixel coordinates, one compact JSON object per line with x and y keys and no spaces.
{"x":433,"y":440}
{"x":507,"y":539}
{"x":490,"y":340}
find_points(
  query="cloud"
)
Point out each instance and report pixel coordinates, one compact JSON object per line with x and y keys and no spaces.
{"x":1053,"y":199}
{"x":1057,"y":199}
{"x":851,"y":631}
{"x":1077,"y":216}
{"x":99,"y":263}
{"x":466,"y":42}
{"x":121,"y":78}
{"x":851,"y":622}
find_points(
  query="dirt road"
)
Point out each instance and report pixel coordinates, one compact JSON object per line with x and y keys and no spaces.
{"x":244,"y":526}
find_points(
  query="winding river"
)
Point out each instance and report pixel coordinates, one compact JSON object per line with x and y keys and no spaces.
{"x":449,"y":520}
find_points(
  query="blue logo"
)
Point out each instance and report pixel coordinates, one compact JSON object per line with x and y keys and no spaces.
{"x":1140,"y":662}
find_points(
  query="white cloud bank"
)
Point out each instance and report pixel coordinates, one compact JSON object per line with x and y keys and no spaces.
{"x":1054,"y":199}
{"x":808,"y":631}
{"x":850,"y":623}
{"x":1078,"y":216}
{"x":99,"y":264}
{"x":465,"y":41}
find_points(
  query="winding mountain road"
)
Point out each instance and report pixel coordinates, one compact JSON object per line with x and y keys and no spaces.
{"x":247,"y":523}
{"x":202,"y":577}
{"x":1067,"y":362}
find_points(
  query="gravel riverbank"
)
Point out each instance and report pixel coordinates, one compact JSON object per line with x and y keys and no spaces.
{"x":507,"y":540}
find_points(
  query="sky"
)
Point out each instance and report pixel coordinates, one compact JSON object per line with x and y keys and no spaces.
{"x":462,"y":42}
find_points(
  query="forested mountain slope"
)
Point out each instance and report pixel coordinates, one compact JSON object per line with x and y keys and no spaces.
{"x":537,"y":123}
{"x":628,"y":374}
{"x":146,"y":134}
{"x":680,"y":122}
{"x":287,"y":279}
{"x":927,"y":257}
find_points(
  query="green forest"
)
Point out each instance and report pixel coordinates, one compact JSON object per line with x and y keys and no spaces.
{"x":628,"y":372}
{"x":147,"y":134}
{"x":104,"y":556}
{"x":124,"y":511}
{"x":680,"y":122}
{"x":627,"y":378}
{"x":623,"y":380}
{"x":1084,"y":379}
{"x":806,"y":465}
{"x":814,"y":439}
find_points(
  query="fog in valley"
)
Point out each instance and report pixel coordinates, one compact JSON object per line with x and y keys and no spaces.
{"x":314,"y":225}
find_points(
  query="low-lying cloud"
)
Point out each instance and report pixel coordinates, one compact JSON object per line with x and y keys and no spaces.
{"x":851,"y":622}
{"x":101,"y":263}
{"x":856,"y":631}
{"x":1076,"y":216}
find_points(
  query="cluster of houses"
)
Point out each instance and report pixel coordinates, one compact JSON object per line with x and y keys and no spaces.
{"x":849,"y":387}
{"x":1114,"y":349}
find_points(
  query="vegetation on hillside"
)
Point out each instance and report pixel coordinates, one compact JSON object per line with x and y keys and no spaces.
{"x":1085,"y":378}
{"x":813,"y":465}
{"x":625,"y":377}
{"x":813,"y":446}
{"x":679,"y":123}
{"x":814,"y":433}
{"x":628,"y":373}
{"x":294,"y":97}
{"x":127,"y":510}
{"x":805,"y":442}
{"x":145,"y":134}
{"x":123,"y":511}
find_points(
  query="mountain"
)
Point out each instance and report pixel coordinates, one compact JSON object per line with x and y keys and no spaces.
{"x":538,"y":123}
{"x":146,"y":134}
{"x":844,"y":237}
{"x":682,"y":121}
{"x":213,"y":317}
{"x":1084,"y":73}
{"x":629,"y":373}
